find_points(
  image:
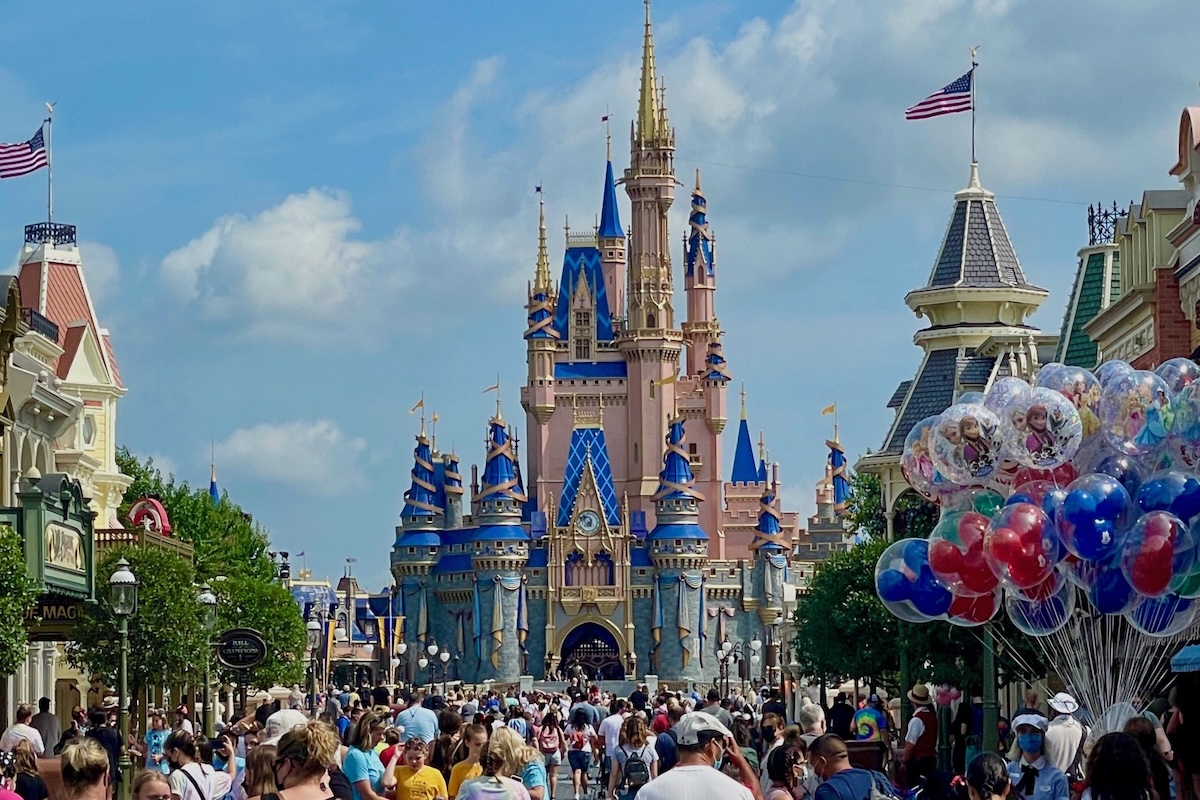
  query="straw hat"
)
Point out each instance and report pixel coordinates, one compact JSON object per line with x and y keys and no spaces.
{"x":919,"y":694}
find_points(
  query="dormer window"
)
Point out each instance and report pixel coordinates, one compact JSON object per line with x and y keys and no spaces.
{"x":581,"y":334}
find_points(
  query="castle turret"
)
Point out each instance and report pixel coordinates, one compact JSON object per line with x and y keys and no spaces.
{"x":540,"y":334}
{"x":677,"y":539}
{"x":417,"y":540}
{"x":611,"y":240}
{"x":700,"y":283}
{"x":744,"y":469}
{"x":500,"y":553}
{"x":771,"y":560}
{"x":452,"y":487}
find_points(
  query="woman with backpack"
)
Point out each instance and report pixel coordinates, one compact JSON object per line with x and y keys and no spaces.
{"x":581,"y":741}
{"x":552,"y":744}
{"x":635,"y":761}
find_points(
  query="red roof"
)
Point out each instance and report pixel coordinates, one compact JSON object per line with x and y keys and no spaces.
{"x":67,"y":306}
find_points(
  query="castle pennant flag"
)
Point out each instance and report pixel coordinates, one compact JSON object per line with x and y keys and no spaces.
{"x":950,"y":99}
{"x":21,"y":159}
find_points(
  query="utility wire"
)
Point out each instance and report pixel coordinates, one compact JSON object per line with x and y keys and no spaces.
{"x":866,"y":182}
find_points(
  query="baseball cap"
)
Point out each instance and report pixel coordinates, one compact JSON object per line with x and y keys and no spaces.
{"x":692,"y":725}
{"x":468,"y":711}
{"x":280,"y":723}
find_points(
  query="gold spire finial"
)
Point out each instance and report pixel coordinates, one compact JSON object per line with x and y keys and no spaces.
{"x":762,"y":447}
{"x":541,"y":278}
{"x":697,"y":180}
{"x":608,"y":133}
{"x":648,"y":116}
{"x":743,"y":399}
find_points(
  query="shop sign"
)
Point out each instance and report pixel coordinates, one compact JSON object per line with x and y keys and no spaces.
{"x":64,"y":548}
{"x":241,"y":648}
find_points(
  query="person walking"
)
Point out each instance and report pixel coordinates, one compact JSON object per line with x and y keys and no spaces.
{"x":85,"y":771}
{"x":361,"y":763}
{"x":987,"y":777}
{"x":46,"y":724}
{"x":416,"y":780}
{"x":100,"y":732}
{"x":474,"y":737}
{"x":704,"y":742}
{"x":27,"y":782}
{"x":634,"y":760}
{"x":302,"y":756}
{"x":581,"y":741}
{"x":493,"y":784}
{"x":21,"y":730}
{"x":552,"y":744}
{"x":1066,"y":736}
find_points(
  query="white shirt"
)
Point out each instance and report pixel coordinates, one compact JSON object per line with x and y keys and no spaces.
{"x":700,"y":782}
{"x":610,"y":729}
{"x":916,"y":726}
{"x":18,"y":731}
{"x":1063,"y":738}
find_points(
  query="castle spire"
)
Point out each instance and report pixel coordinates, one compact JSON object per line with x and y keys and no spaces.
{"x":420,"y":501}
{"x":768,"y":534}
{"x":744,"y":468}
{"x":541,"y":275}
{"x":610,"y":218}
{"x":649,"y":116}
{"x":762,"y":458}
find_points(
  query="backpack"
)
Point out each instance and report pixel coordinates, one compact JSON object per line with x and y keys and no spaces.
{"x":882,"y":788}
{"x":1075,"y":771}
{"x":548,"y":741}
{"x":635,"y":772}
{"x":578,"y":738}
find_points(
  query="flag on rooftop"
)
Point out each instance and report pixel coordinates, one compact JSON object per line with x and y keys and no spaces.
{"x":21,"y":159}
{"x":950,"y":99}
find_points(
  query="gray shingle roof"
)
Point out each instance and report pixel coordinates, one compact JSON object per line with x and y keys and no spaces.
{"x":899,"y":395}
{"x":931,"y":393}
{"x":976,"y":251}
{"x":974,"y":370}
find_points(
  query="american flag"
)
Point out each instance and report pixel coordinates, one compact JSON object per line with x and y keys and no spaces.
{"x":24,"y":158}
{"x":948,"y":100}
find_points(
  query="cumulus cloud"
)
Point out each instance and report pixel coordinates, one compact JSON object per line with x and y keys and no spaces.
{"x":101,"y":270}
{"x":313,"y":455}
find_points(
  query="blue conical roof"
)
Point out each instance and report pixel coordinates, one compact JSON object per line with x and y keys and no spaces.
{"x":768,"y":533}
{"x":421,"y":498}
{"x":500,"y":478}
{"x":676,"y":481}
{"x":610,"y":219}
{"x":700,"y":238}
{"x":744,"y":468}
{"x":714,"y":362}
{"x":762,"y":470}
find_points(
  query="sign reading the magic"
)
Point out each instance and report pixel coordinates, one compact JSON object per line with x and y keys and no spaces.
{"x":64,"y":548}
{"x":241,"y":648}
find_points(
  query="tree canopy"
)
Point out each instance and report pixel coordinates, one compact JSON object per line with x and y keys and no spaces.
{"x":17,"y":593}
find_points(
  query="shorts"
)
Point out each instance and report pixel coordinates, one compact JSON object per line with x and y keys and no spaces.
{"x":553,"y":758}
{"x":579,"y":759}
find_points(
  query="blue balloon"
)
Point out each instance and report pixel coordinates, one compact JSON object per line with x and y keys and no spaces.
{"x":1176,"y":492}
{"x":1110,"y":592}
{"x":1018,"y":497}
{"x":1079,"y":506}
{"x":893,"y":586}
{"x":930,"y":597}
{"x":1047,"y":614}
{"x":1124,"y":469}
{"x":1156,"y":614}
{"x":916,"y":554}
{"x":1052,"y":501}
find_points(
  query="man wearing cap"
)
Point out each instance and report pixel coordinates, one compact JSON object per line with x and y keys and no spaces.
{"x":921,"y":738}
{"x":1032,"y":776}
{"x":704,"y":742}
{"x":841,"y":716}
{"x":1065,"y":735}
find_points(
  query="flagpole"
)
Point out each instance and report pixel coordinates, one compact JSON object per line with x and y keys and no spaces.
{"x":49,"y":166}
{"x":974,"y":64}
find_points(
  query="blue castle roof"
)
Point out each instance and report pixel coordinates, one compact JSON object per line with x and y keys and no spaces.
{"x":676,"y":481}
{"x":768,"y":534}
{"x":744,"y":468}
{"x":840,"y":475}
{"x":501,"y":498}
{"x":540,"y":318}
{"x":714,"y":363}
{"x":588,"y":446}
{"x":421,"y":499}
{"x":762,"y":470}
{"x":585,"y":262}
{"x":610,"y":220}
{"x":700,"y":238}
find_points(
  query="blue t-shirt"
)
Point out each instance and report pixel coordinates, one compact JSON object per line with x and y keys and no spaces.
{"x":363,"y":765}
{"x":534,"y":774}
{"x":219,"y":765}
{"x":518,"y":725}
{"x":849,"y":784}
{"x":343,"y":725}
{"x":419,"y":723}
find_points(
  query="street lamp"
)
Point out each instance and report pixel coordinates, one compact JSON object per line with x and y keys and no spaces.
{"x":208,"y":621}
{"x":398,"y":659}
{"x":730,"y":653}
{"x":313,"y":627}
{"x":122,"y":595}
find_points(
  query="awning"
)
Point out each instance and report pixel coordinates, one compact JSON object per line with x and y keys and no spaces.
{"x":1187,"y":659}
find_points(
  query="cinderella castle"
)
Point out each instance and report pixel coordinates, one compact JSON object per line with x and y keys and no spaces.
{"x":619,"y":548}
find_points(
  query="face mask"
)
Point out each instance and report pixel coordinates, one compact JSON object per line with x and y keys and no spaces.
{"x":1030,"y":742}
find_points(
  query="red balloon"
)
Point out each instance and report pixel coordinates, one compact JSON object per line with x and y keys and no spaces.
{"x":1043,"y":590}
{"x":971,"y":528}
{"x":976,"y":575}
{"x":1151,"y":572}
{"x":960,"y":605}
{"x":982,"y":608}
{"x":945,"y":558}
{"x":1006,"y":545}
{"x":1025,"y":573}
{"x":1161,"y":525}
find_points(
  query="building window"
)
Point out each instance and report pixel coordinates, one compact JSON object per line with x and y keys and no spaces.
{"x":650,"y":321}
{"x":583,"y":350}
{"x":89,"y":431}
{"x":692,"y":449}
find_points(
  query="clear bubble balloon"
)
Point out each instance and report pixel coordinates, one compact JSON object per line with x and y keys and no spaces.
{"x":1047,"y":372}
{"x":1112,"y":370}
{"x":1178,"y":373}
{"x":1082,"y":389}
{"x":1041,"y":429}
{"x":1135,"y":413}
{"x":1041,"y":617}
{"x":1002,"y":392}
{"x":1093,"y":516}
{"x":1183,"y":444}
{"x":973,"y":498}
{"x":917,"y":460}
{"x":971,"y":397}
{"x":1157,"y":549}
{"x":970,"y":612}
{"x":1173,"y":491}
{"x":1020,"y":546}
{"x":1105,"y":585}
{"x":906,"y":584}
{"x":1162,"y":616}
{"x":966,"y":444}
{"x":956,"y":554}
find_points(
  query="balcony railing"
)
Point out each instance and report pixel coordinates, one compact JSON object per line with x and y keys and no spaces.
{"x":111,"y":537}
{"x":49,"y":233}
{"x":39,"y":324}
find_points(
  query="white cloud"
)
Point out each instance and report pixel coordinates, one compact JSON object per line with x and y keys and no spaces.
{"x":102,"y":271}
{"x":312,"y":455}
{"x":165,"y":464}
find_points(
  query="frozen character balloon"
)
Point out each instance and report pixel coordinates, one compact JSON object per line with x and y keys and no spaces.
{"x":1042,"y":429}
{"x":967,"y":443}
{"x":1184,"y":442}
{"x":917,"y":461}
{"x":1135,"y":412}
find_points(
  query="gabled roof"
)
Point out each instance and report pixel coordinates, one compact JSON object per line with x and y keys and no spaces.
{"x":1088,"y":294}
{"x":582,"y":268}
{"x":899,"y":395}
{"x":588,"y":453}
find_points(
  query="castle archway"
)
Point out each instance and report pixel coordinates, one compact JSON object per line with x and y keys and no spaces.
{"x":594,"y":647}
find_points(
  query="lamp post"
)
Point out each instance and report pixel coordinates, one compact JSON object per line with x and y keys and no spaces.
{"x":122,"y":595}
{"x":208,"y":621}
{"x":435,"y":659}
{"x":314,"y":628}
{"x":399,"y":659}
{"x":734,"y":653}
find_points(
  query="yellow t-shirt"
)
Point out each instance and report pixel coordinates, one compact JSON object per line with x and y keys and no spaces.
{"x":425,"y":783}
{"x":462,"y":772}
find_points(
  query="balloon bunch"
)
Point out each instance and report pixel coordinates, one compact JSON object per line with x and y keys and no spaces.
{"x":1082,"y":481}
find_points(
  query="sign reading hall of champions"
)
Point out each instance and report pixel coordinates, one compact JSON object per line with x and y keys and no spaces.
{"x":241,"y":648}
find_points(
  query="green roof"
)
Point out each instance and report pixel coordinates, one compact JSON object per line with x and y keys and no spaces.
{"x":1087,"y":300}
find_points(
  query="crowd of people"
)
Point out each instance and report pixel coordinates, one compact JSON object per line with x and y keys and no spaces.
{"x":381,"y":744}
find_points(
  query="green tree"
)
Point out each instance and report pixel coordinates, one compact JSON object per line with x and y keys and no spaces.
{"x":914,"y":516}
{"x":269,"y":609}
{"x":165,"y":637}
{"x":17,"y":593}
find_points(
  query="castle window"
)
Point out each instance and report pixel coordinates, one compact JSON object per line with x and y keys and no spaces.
{"x":692,"y":448}
{"x":651,"y":321}
{"x":89,"y":430}
{"x":412,"y":551}
{"x":583,"y":350}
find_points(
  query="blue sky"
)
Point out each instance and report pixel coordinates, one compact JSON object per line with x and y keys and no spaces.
{"x":298,"y":216}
